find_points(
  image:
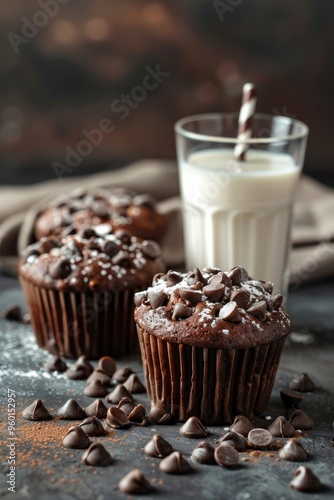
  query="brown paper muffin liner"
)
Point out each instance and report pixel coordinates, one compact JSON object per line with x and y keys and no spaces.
{"x":214,"y":385}
{"x":72,"y":324}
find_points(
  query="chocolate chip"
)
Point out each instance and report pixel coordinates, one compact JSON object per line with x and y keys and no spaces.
{"x":159,"y":277}
{"x":99,"y":210}
{"x":60,"y":270}
{"x":203,"y":453}
{"x":235,"y":276}
{"x":196,"y":276}
{"x":139,"y":298}
{"x":151,"y":249}
{"x":94,"y":244}
{"x":32,"y":252}
{"x":221,"y":278}
{"x":158,"y":447}
{"x":193,"y":428}
{"x":305,"y":480}
{"x":268,"y":286}
{"x":300,"y":420}
{"x":116,"y":418}
{"x":302,"y":383}
{"x":12,"y":313}
{"x":277,"y":301}
{"x":211,"y":270}
{"x":122,"y":259}
{"x":134,"y":483}
{"x":175,"y":463}
{"x":117,"y":394}
{"x":126,"y":405}
{"x":281,"y":428}
{"x":76,"y":438}
{"x":97,"y":455}
{"x":241,"y":297}
{"x":230,"y":312}
{"x":290,"y":398}
{"x":259,"y":310}
{"x":157,"y":299}
{"x":242,"y":425}
{"x":134,"y":385}
{"x":237,"y":441}
{"x":107,"y":364}
{"x":138,"y":416}
{"x":181,"y":312}
{"x":293,"y":451}
{"x":198,"y":286}
{"x":99,"y":375}
{"x":226,"y":456}
{"x":122,"y":374}
{"x":46,"y":244}
{"x":83,"y":361}
{"x":215,"y":291}
{"x":86,"y":232}
{"x":96,"y":409}
{"x":95,"y":389}
{"x":36,"y":411}
{"x":144,"y":200}
{"x":110,"y":248}
{"x":92,"y":427}
{"x":173,"y":278}
{"x":260,"y":438}
{"x":80,"y":370}
{"x":55,"y":364}
{"x":160,"y":414}
{"x":71,"y":411}
{"x":123,"y":236}
{"x":191,"y":297}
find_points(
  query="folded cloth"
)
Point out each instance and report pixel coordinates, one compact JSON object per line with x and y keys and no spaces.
{"x":312,"y":254}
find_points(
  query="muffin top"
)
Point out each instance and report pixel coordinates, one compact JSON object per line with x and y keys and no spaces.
{"x":212,"y":309}
{"x":94,"y":259}
{"x":121,"y":208}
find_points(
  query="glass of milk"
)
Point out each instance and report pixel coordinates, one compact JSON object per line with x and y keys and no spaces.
{"x":239,"y":213}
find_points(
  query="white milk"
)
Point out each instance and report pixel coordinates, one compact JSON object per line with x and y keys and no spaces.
{"x":239,"y":213}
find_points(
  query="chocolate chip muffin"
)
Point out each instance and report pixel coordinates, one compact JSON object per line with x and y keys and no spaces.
{"x":80,"y":288}
{"x":210,"y":343}
{"x":121,"y":208}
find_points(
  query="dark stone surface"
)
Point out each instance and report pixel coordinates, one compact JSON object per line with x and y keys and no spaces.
{"x":56,"y":472}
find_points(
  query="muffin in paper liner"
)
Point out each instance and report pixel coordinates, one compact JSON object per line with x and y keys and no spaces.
{"x":80,"y":290}
{"x":74,"y":324}
{"x":213,"y":384}
{"x":204,"y":354}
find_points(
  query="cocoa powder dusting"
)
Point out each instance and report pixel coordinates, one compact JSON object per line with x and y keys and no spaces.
{"x":38,"y":440}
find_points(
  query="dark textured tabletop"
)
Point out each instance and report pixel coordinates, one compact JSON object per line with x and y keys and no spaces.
{"x":45,"y":469}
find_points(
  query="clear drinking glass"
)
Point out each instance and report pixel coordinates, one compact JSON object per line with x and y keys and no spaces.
{"x":239,"y":213}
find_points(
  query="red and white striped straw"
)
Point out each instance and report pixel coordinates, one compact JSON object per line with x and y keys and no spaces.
{"x":246,"y":115}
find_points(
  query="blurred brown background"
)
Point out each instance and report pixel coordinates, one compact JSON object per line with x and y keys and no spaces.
{"x":64,"y":63}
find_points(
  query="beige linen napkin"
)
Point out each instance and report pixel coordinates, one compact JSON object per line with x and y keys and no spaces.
{"x":312,"y":234}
